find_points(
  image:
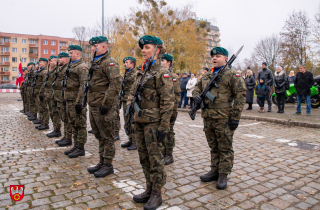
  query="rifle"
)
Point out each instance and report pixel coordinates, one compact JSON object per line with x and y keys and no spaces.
{"x":86,"y":86}
{"x":33,"y":85}
{"x":27,"y":80}
{"x":64,"y":81}
{"x":47,"y":77}
{"x":121,"y":94}
{"x":171,"y":67}
{"x":212,"y":83}
{"x":54,"y":79}
{"x":136,"y":102}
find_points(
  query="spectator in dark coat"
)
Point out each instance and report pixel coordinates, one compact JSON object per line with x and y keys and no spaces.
{"x":263,"y":92}
{"x":280,"y":81}
{"x":303,"y":83}
{"x":267,"y":74}
{"x":183,"y":94}
{"x":250,"y":83}
{"x":291,"y":77}
{"x":249,"y":68}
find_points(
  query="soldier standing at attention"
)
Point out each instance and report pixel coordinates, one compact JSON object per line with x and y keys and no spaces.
{"x":128,"y":79}
{"x":152,"y":126}
{"x":117,"y":127}
{"x":22,"y":90}
{"x":104,"y":88}
{"x":77,"y":116}
{"x":28,"y":89}
{"x":61,"y":104}
{"x":53,"y":109}
{"x":220,"y":117}
{"x":39,"y":93}
{"x":169,"y":142}
{"x":33,"y":104}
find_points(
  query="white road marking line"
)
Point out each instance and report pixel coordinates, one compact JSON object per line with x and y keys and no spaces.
{"x":29,"y":150}
{"x":197,"y":126}
{"x":283,"y":140}
{"x":250,"y":124}
{"x":254,"y":136}
{"x":179,"y":122}
{"x":293,"y":144}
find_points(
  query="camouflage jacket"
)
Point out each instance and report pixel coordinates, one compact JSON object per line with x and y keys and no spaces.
{"x":231,"y":89}
{"x":58,"y":85}
{"x":28,"y":81}
{"x":157,"y":96}
{"x":40,"y":79}
{"x":177,"y":90}
{"x":129,"y":78}
{"x":105,"y":84}
{"x":77,"y":78}
{"x":48,"y":88}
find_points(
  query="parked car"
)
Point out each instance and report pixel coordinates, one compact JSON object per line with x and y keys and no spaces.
{"x":8,"y":86}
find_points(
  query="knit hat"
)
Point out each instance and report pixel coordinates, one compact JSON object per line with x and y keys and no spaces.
{"x":263,"y":78}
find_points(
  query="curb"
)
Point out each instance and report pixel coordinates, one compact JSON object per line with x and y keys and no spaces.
{"x":288,"y":122}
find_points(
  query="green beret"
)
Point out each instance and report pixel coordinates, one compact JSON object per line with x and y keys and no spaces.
{"x":31,"y":63}
{"x":37,"y":63}
{"x":167,"y":57}
{"x":74,"y":47}
{"x":147,"y":39}
{"x":24,"y":68}
{"x":219,"y":51}
{"x":97,"y":40}
{"x":63,"y":55}
{"x":129,"y":58}
{"x":53,"y":56}
{"x":43,"y":59}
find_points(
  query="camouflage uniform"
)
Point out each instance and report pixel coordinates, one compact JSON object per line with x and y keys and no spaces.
{"x":27,"y":86}
{"x":117,"y":125}
{"x":169,"y":141}
{"x":104,"y":88}
{"x":216,"y":115}
{"x":74,"y":95}
{"x":157,"y":104}
{"x":58,"y":98}
{"x":39,"y":90}
{"x":129,"y":78}
{"x":32,"y":99}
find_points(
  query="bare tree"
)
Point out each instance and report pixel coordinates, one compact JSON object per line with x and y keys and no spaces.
{"x":80,"y":33}
{"x":267,"y":50}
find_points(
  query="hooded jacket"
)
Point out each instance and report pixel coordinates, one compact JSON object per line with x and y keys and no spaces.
{"x":280,"y":81}
{"x":267,"y":74}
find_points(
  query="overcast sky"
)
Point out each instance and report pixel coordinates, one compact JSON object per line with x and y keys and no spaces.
{"x":241,"y":22}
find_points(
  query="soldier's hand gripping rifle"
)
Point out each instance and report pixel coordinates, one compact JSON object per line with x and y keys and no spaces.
{"x":86,"y":86}
{"x":33,"y":85}
{"x":212,"y":83}
{"x":136,"y":102}
{"x":54,"y":79}
{"x":64,"y":81}
{"x":47,"y":77}
{"x":121,"y":94}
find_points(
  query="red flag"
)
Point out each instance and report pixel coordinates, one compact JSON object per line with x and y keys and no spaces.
{"x":20,"y":75}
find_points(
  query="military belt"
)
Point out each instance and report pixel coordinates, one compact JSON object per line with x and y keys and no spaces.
{"x":72,"y":89}
{"x":98,"y":88}
{"x":218,"y":105}
{"x":150,"y":105}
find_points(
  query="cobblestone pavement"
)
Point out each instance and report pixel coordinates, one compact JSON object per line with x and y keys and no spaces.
{"x":276,"y":167}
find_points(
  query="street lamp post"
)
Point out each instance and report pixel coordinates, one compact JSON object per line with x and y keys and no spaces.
{"x":102,"y":18}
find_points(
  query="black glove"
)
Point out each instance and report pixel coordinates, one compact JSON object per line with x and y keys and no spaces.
{"x":78,"y":108}
{"x":233,"y":124}
{"x":197,"y":99}
{"x":64,"y":102}
{"x":103,"y":110}
{"x":173,"y":118}
{"x":127,"y":110}
{"x":41,"y":97}
{"x":160,"y":136}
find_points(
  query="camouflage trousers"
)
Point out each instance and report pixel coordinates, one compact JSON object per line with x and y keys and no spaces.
{"x":32,"y":103}
{"x":64,"y":118}
{"x":220,"y":138}
{"x":117,"y":124}
{"x":103,"y":130}
{"x":131,"y":136}
{"x":54,"y":113}
{"x":43,"y":111}
{"x":78,"y":123}
{"x":150,"y":154}
{"x":169,"y":141}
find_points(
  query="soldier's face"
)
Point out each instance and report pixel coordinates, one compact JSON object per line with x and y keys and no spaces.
{"x":53,"y":62}
{"x":101,"y":48}
{"x":165,"y":63}
{"x":128,"y":64}
{"x":219,"y":60}
{"x":42,"y":64}
{"x":36,"y":66}
{"x":63,"y":61}
{"x":73,"y":55}
{"x":148,"y":50}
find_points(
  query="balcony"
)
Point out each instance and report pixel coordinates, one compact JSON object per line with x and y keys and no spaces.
{"x":4,"y":73}
{"x":33,"y":55}
{"x":5,"y":43}
{"x":5,"y":63}
{"x":33,"y":45}
{"x":5,"y":53}
{"x":63,"y":47}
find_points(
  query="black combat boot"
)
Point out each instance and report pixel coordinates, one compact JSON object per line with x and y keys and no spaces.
{"x":155,"y":200}
{"x":79,"y":151}
{"x":28,"y":114}
{"x":133,"y":146}
{"x":128,"y":144}
{"x":22,"y":111}
{"x":116,"y":137}
{"x":67,"y":152}
{"x":37,"y":126}
{"x":33,"y":117}
{"x":97,"y":167}
{"x":104,"y":171}
{"x":43,"y":127}
{"x":37,"y":121}
{"x":143,"y":197}
{"x":60,"y":140}
{"x":168,"y":159}
{"x":66,"y":142}
{"x":222,"y":181}
{"x":90,"y":131}
{"x":210,"y":176}
{"x":54,"y":133}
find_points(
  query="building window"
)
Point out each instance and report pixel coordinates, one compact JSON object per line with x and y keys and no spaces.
{"x":4,"y":79}
{"x":45,"y":51}
{"x":53,"y":42}
{"x":53,"y":52}
{"x":4,"y":49}
{"x":32,"y":41}
{"x":33,"y":60}
{"x":61,"y":51}
{"x":24,"y":41}
{"x":14,"y":50}
{"x":4,"y":59}
{"x":45,"y":42}
{"x":24,"y":60}
{"x":14,"y":68}
{"x":14,"y":79}
{"x":63,"y":44}
{"x":24,"y":50}
{"x":14,"y":59}
{"x":4,"y":39}
{"x":5,"y":68}
{"x":14,"y":40}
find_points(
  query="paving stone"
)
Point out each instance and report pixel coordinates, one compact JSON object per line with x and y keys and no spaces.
{"x":280,"y":203}
{"x":61,"y":204}
{"x":258,"y":199}
{"x":83,"y":199}
{"x":96,"y":203}
{"x":41,"y":201}
{"x":20,"y":206}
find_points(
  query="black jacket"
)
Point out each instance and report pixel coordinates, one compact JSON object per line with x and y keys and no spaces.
{"x":267,"y":74}
{"x":183,"y":84}
{"x":280,"y":81}
{"x":263,"y":92}
{"x":303,"y":83}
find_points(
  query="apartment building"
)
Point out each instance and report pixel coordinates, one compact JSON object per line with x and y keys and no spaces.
{"x":28,"y":48}
{"x":213,"y":40}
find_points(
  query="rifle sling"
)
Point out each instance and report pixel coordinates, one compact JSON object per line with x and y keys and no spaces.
{"x":98,"y":88}
{"x":218,"y":105}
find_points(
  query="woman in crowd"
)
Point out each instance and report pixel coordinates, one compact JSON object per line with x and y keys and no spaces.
{"x":291,"y":77}
{"x":190,"y":87}
{"x":250,"y":83}
{"x":280,"y":81}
